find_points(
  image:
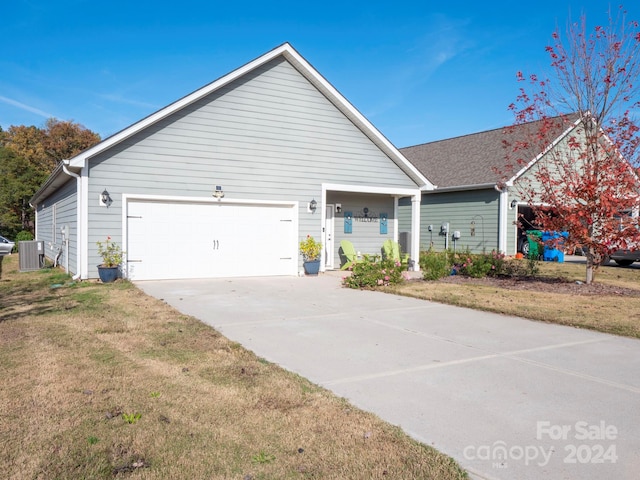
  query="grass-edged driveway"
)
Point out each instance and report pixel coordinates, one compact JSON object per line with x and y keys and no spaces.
{"x":102,"y":381}
{"x":506,"y":397}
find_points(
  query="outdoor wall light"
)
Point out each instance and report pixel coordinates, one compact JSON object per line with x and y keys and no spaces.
{"x":313,"y":205}
{"x":105,"y":198}
{"x":218,"y":193}
{"x":514,"y":204}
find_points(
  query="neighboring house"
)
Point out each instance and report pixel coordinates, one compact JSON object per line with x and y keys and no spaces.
{"x":274,"y":139}
{"x":472,"y":196}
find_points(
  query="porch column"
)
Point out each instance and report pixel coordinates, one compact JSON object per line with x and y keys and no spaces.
{"x":502,"y":221}
{"x":415,"y":230}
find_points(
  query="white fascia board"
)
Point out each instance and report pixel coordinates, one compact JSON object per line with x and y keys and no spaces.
{"x":401,"y":192}
{"x":55,"y":180}
{"x":550,"y":147}
{"x":619,"y":154}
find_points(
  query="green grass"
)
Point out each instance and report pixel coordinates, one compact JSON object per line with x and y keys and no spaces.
{"x":109,"y":383}
{"x":605,"y":311}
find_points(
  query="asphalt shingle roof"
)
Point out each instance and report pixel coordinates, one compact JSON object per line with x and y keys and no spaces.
{"x":478,"y":158}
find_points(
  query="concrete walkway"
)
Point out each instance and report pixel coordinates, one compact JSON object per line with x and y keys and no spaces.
{"x":507,"y":398}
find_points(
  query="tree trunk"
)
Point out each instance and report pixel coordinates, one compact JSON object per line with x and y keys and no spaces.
{"x":590,"y":272}
{"x":594,"y":259}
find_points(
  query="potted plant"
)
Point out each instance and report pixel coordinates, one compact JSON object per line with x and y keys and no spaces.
{"x":311,"y":252}
{"x":111,"y":259}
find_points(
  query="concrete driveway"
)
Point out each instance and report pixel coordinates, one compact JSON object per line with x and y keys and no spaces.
{"x":506,"y":397}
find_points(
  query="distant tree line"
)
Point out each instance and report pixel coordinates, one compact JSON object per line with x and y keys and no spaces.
{"x":28,"y":155}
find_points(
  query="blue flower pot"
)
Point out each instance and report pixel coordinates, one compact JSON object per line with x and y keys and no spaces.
{"x":107,"y":274}
{"x":311,"y":268}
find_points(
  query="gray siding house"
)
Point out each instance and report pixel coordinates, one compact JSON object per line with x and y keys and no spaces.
{"x":227,"y":180}
{"x":476,"y":192}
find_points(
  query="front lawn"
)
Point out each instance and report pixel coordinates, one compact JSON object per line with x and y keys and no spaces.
{"x":102,"y":381}
{"x":556,"y":294}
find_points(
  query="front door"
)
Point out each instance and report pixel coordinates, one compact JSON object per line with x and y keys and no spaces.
{"x":328,"y":237}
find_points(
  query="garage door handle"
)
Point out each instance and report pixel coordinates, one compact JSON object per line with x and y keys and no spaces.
{"x":216,"y":245}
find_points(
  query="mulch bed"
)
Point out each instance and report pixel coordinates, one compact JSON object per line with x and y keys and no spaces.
{"x":552,"y":285}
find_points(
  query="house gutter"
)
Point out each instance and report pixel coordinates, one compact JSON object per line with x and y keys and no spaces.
{"x":48,"y":182}
{"x":65,"y":164}
{"x":65,"y":169}
{"x":458,"y":188}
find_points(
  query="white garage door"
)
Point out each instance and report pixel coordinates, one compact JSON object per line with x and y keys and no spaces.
{"x":205,"y":240}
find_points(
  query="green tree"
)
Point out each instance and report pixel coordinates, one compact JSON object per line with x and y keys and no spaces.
{"x":65,"y":139}
{"x":28,"y":142}
{"x":45,"y":147}
{"x":28,"y":155}
{"x":19,"y":180}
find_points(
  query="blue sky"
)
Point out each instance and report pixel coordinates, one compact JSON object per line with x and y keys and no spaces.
{"x":419,"y":71}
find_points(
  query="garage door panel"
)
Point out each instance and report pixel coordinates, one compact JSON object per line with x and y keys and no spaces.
{"x":187,"y":240}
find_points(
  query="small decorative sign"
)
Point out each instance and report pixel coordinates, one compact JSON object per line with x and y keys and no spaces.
{"x":366,"y":216}
{"x":383,"y":223}
{"x":348,"y":222}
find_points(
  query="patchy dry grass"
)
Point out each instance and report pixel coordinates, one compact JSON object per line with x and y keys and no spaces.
{"x":607,"y":275}
{"x":606,"y":311}
{"x":101,"y":381}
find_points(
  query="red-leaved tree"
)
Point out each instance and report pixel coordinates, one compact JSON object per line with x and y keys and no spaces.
{"x":578,"y":157}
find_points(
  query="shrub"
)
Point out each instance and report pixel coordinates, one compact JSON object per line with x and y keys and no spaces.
{"x":369,"y":273}
{"x":476,"y":266}
{"x":435,"y":265}
{"x":310,"y":249}
{"x":482,"y":265}
{"x":521,"y":268}
{"x":23,"y":236}
{"x":533,"y":267}
{"x":497,"y":260}
{"x":110,"y":252}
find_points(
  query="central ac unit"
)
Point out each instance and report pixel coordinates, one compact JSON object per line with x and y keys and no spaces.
{"x":31,"y":255}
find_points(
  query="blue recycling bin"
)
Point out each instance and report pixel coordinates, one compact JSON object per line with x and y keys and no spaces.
{"x":551,"y":253}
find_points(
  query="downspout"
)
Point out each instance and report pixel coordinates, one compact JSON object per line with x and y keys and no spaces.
{"x":78,"y":178}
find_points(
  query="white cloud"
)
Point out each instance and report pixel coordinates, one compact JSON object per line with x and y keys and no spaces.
{"x":445,"y":39}
{"x":26,"y":107}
